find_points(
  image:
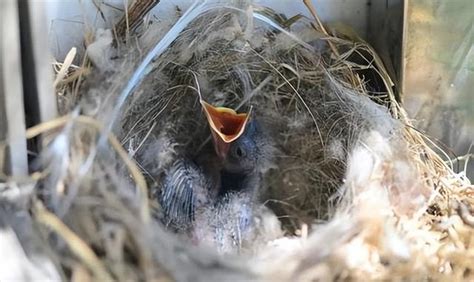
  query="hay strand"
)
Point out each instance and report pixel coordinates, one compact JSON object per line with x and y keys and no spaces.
{"x":75,"y":243}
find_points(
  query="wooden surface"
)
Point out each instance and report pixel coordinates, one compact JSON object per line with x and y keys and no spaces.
{"x":12,"y":119}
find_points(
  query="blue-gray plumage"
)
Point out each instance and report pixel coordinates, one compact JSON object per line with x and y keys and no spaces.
{"x":247,"y":156}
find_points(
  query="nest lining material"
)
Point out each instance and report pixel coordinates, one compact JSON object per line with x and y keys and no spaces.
{"x":355,"y":190}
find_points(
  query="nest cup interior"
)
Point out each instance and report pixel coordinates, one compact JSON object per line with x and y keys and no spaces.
{"x":312,"y":120}
{"x":311,"y":116}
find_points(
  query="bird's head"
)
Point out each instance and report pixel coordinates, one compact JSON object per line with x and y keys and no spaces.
{"x":245,"y":152}
{"x":233,"y":137}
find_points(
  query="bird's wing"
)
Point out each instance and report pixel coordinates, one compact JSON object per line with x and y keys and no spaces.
{"x":184,"y":188}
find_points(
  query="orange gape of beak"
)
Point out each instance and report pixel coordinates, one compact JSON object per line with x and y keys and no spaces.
{"x":226,"y":126}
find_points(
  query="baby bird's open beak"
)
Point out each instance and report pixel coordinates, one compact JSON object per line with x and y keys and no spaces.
{"x":226,"y":126}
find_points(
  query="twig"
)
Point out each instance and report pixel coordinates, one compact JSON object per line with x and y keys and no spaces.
{"x":134,"y":15}
{"x":312,"y":10}
{"x":65,"y":66}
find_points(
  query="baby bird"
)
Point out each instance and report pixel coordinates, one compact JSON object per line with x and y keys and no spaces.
{"x":211,"y":198}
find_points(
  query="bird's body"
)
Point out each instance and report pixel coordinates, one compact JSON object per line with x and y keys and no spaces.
{"x":211,"y":197}
{"x":227,"y":224}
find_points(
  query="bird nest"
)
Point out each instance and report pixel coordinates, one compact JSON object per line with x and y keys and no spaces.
{"x":353,"y":191}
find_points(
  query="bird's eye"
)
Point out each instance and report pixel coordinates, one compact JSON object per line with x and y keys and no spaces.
{"x":239,"y":152}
